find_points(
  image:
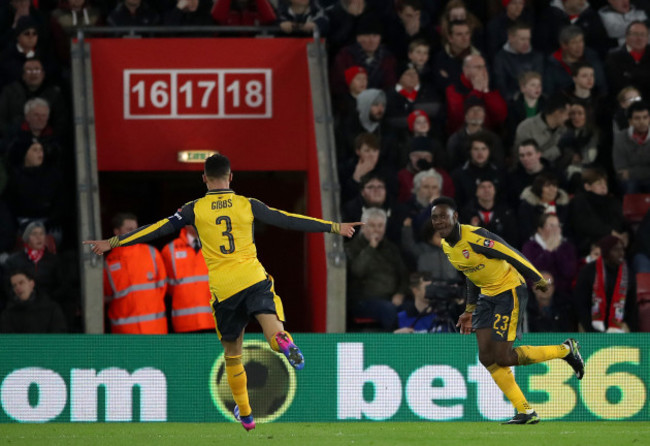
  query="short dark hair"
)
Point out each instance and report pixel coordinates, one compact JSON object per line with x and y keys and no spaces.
{"x":516,"y":26}
{"x":592,"y":174}
{"x":24,"y":271}
{"x":369,"y":139}
{"x":217,"y":166}
{"x":529,"y":142}
{"x":635,"y":22}
{"x":481,"y":136}
{"x":544,"y":217}
{"x":371,"y":176}
{"x":636,"y":106}
{"x":415,"y":4}
{"x":541,"y":180}
{"x":418,"y":42}
{"x":118,"y":220}
{"x":556,"y":102}
{"x":447,"y":201}
{"x":458,"y":23}
{"x":576,"y":67}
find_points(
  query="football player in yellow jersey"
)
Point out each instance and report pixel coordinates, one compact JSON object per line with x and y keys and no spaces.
{"x":496,"y":303}
{"x":239,"y":285}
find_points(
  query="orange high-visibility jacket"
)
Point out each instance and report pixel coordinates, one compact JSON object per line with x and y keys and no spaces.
{"x":135,"y":283}
{"x":188,"y":286}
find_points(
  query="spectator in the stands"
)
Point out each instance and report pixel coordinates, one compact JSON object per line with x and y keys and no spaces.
{"x":421,"y":156}
{"x":427,"y":255}
{"x":456,"y":11}
{"x":595,"y":213}
{"x":631,"y":150}
{"x":558,"y":71}
{"x":605,"y":292}
{"x":527,"y":103}
{"x":407,"y":95}
{"x":70,"y":15}
{"x":484,"y":211}
{"x":32,"y":85}
{"x":474,"y":81}
{"x":546,"y":128}
{"x":36,"y":258}
{"x":356,"y":78}
{"x":617,"y":16}
{"x":626,"y":97}
{"x":530,"y":164}
{"x":30,"y":309}
{"x":367,"y":52}
{"x":377,"y":278}
{"x":35,"y":128}
{"x":479,"y":166}
{"x":12,"y":11}
{"x":373,"y":192}
{"x":26,"y":46}
{"x":579,"y":144}
{"x":344,"y":16}
{"x":459,"y":142}
{"x":562,"y":13}
{"x":427,"y":186}
{"x":302,"y":17}
{"x":549,"y":250}
{"x":419,"y":54}
{"x":243,"y":13}
{"x":630,"y":64}
{"x":515,"y":58}
{"x":543,"y":197}
{"x":187,"y":13}
{"x":369,"y":118}
{"x":407,"y":24}
{"x":133,"y":13}
{"x":549,"y":310}
{"x":515,"y":11}
{"x":366,"y":161}
{"x":448,"y":62}
{"x":583,"y":90}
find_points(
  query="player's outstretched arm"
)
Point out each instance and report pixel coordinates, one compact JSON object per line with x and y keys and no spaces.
{"x":99,"y":247}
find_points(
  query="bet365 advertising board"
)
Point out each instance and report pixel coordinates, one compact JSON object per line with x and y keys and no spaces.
{"x":364,"y":377}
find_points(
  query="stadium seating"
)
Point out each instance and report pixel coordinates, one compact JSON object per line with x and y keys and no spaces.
{"x":635,"y":206}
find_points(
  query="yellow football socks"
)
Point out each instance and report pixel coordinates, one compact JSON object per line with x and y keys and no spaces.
{"x":274,"y":341}
{"x":237,"y":381}
{"x":506,"y":381}
{"x":529,"y":354}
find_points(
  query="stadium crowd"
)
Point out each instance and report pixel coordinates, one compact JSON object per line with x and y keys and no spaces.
{"x":532,"y":114}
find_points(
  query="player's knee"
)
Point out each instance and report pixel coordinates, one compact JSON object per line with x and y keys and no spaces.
{"x":505,"y":359}
{"x":485,"y":358}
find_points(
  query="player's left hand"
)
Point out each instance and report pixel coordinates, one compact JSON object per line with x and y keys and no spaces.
{"x":99,"y":247}
{"x":347,"y":229}
{"x":465,"y":323}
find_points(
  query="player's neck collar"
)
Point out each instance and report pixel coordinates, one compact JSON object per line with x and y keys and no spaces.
{"x":454,"y":237}
{"x":219,"y":191}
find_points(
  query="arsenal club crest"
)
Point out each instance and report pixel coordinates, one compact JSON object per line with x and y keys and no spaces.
{"x":488,"y":243}
{"x":466,"y":253}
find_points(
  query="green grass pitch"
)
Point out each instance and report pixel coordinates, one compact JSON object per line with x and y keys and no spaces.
{"x":326,"y":434}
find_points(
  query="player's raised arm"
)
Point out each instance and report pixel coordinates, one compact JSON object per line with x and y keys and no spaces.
{"x":299,"y":222}
{"x":493,"y":246}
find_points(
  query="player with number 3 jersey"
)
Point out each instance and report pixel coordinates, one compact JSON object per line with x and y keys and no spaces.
{"x":239,"y":285}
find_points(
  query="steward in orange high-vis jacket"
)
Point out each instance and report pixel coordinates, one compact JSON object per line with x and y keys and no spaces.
{"x":188,"y":283}
{"x":135,"y":283}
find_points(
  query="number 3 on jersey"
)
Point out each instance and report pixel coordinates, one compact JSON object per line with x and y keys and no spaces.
{"x":228,"y":233}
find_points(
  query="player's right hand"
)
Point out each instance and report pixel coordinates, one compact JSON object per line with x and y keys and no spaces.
{"x":465,"y":323}
{"x":347,"y":229}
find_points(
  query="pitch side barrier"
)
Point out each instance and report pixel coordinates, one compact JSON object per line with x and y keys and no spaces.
{"x":348,"y":377}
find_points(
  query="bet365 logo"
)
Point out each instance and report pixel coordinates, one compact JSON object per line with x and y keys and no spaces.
{"x":271,"y":383}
